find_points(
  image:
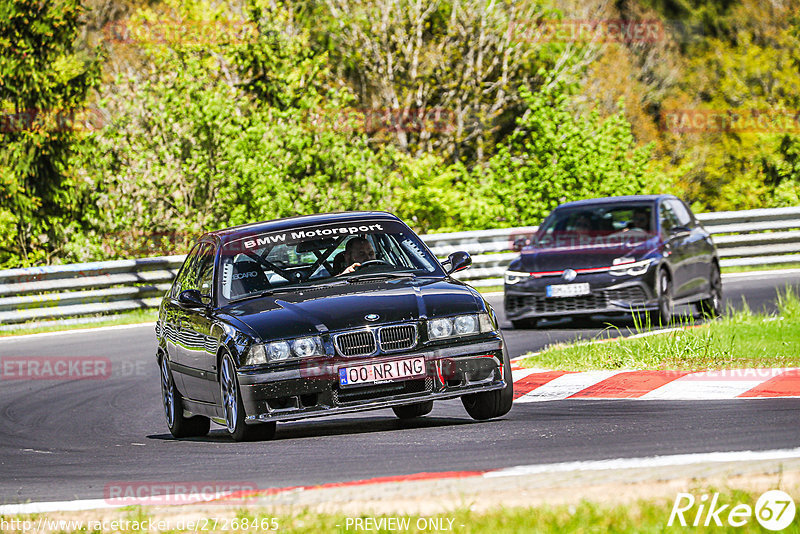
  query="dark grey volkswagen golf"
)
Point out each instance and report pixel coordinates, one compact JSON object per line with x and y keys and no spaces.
{"x":319,"y":315}
{"x":615,"y":255}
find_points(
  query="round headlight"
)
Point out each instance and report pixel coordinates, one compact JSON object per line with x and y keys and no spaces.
{"x":438,"y":328}
{"x":465,"y":324}
{"x":278,"y":350}
{"x":305,"y":346}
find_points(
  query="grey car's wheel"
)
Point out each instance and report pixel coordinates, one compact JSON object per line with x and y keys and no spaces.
{"x":663,"y":314}
{"x":233,"y":408}
{"x":712,"y":306}
{"x":491,"y":404}
{"x":172,"y":400}
{"x":410,"y":411}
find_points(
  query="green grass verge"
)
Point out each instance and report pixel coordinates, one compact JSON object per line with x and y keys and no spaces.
{"x":642,"y":516}
{"x":134,"y":317}
{"x":740,"y":339}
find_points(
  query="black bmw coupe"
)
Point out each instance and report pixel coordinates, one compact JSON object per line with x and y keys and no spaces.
{"x":319,"y":315}
{"x":615,"y":255}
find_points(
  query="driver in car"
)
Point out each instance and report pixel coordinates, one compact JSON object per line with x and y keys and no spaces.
{"x":357,"y":251}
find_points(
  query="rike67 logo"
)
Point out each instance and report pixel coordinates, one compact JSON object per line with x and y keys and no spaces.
{"x":774,"y":510}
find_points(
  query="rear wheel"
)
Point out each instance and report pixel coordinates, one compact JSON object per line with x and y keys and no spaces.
{"x":663,"y":315}
{"x":712,"y":306}
{"x":491,"y":404}
{"x":179,"y":426}
{"x":410,"y":411}
{"x":234,"y":408}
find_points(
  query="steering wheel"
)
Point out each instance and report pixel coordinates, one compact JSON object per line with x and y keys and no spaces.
{"x":372,"y":262}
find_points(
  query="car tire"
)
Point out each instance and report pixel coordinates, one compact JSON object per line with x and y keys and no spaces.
{"x":172,"y":400}
{"x":410,"y":411}
{"x":524,"y":324}
{"x":663,"y":314}
{"x":712,"y":306}
{"x":233,"y":408}
{"x":491,"y":404}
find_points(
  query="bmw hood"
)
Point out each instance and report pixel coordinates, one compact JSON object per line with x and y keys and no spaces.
{"x":317,"y":310}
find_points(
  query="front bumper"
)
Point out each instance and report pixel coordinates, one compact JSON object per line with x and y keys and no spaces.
{"x":609,"y":295}
{"x":312,"y":390}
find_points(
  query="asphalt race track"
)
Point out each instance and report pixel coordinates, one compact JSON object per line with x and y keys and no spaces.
{"x":71,"y":439}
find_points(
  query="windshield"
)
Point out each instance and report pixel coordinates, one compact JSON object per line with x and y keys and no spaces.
{"x":334,"y":253}
{"x":606,"y":225}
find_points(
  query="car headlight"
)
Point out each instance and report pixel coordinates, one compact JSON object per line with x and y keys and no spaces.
{"x":460,"y":325}
{"x":276,"y":351}
{"x":512,"y":277}
{"x":630,"y":268}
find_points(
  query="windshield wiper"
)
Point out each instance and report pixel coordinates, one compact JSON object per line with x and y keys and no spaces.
{"x":379,"y":276}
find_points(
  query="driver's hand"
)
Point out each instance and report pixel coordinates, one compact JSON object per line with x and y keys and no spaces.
{"x":352,"y":268}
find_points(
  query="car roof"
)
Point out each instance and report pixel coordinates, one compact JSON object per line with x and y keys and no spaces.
{"x":228,"y":234}
{"x":630,"y":199}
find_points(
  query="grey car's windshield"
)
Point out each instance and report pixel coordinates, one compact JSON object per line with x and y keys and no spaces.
{"x":596,"y":225}
{"x":319,"y":255}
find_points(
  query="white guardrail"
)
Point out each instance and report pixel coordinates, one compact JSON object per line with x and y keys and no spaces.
{"x":59,"y":292}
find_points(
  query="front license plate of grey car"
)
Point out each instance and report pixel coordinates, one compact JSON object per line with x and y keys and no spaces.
{"x":568,"y":290}
{"x":373,"y":373}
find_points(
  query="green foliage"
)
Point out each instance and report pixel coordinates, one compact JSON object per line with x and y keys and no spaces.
{"x":557,"y":155}
{"x":43,"y":87}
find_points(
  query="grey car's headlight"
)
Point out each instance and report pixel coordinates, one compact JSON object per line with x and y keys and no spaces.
{"x":276,"y":351}
{"x":630,"y":268}
{"x":513,"y":277}
{"x":460,"y":325}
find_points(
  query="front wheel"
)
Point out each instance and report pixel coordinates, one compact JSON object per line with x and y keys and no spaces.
{"x":712,"y":306}
{"x":410,"y":411}
{"x":663,"y":315}
{"x":491,"y":404}
{"x":172,"y":400}
{"x":234,"y":408}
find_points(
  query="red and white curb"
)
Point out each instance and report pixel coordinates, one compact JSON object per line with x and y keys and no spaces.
{"x":533,"y":385}
{"x":520,"y":470}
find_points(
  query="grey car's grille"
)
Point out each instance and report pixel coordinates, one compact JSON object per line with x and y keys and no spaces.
{"x":361,"y":343}
{"x":398,"y":337}
{"x":631,"y":296}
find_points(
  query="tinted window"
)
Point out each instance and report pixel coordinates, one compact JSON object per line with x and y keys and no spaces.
{"x":197,"y":271}
{"x":681,"y":213}
{"x":602,"y":224}
{"x":668,"y":218}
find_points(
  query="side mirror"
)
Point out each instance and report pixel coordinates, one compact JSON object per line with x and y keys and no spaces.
{"x":191,"y":298}
{"x":519,"y":243}
{"x":458,"y":261}
{"x":679,"y":230}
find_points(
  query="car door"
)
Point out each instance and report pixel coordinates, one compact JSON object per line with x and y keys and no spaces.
{"x":696,"y":249}
{"x":198,"y":348}
{"x":675,"y":251}
{"x":174,"y":318}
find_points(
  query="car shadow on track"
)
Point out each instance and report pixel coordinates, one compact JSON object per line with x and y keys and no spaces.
{"x":348,"y":426}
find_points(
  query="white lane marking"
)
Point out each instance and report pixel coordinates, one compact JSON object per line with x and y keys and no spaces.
{"x":566,"y":385}
{"x":650,"y":461}
{"x":58,"y":506}
{"x":519,"y":374}
{"x":23,"y":337}
{"x":701,"y":386}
